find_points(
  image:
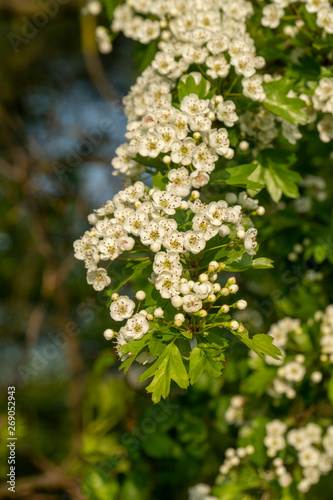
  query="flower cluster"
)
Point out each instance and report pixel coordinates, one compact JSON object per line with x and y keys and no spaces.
{"x":313,"y":449}
{"x":141,"y":220}
{"x":299,"y":446}
{"x":274,"y":11}
{"x":184,"y":138}
{"x":323,"y":102}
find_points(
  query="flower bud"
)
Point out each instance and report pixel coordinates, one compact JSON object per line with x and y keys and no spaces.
{"x":231,"y":198}
{"x":150,"y":317}
{"x":261,"y":211}
{"x":300,"y":358}
{"x":241,"y":304}
{"x":203,"y":277}
{"x":241,"y":452}
{"x":109,"y":334}
{"x":184,"y":205}
{"x":158,"y":313}
{"x":180,"y":317}
{"x":185,"y":288}
{"x":202,"y":313}
{"x":231,"y":281}
{"x":233,"y":289}
{"x":244,"y":145}
{"x":196,"y":135}
{"x":140,"y":295}
{"x":240,"y":234}
{"x":229,"y":154}
{"x":316,"y":377}
{"x":155,"y":247}
{"x":195,"y":195}
{"x":224,"y":231}
{"x":213,"y":266}
{"x":225,"y":292}
{"x":213,"y":277}
{"x":211,"y":298}
{"x":178,"y":323}
{"x":216,"y":287}
{"x":115,"y":296}
{"x":177,"y":301}
{"x":225,"y":309}
{"x":166,"y":160}
{"x":234,"y":325}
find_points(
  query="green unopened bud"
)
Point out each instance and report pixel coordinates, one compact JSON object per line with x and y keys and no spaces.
{"x":213,"y":266}
{"x":211,"y":298}
{"x":202,"y":313}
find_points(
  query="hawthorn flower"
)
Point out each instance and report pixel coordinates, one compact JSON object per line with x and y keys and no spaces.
{"x":182,"y":151}
{"x":252,"y":88}
{"x":180,"y":183}
{"x":191,"y":303}
{"x":204,"y":158}
{"x":109,"y":249}
{"x":217,"y":212}
{"x":152,"y":233}
{"x":272,"y":15}
{"x":199,"y":179}
{"x":98,"y":278}
{"x":165,"y":201}
{"x":225,"y":112}
{"x":167,"y":262}
{"x":250,"y":241}
{"x":192,"y":105}
{"x":151,"y":145}
{"x":122,"y":308}
{"x":135,"y":222}
{"x":135,"y":327}
{"x":202,"y":223}
{"x":194,"y":241}
{"x":167,"y":284}
{"x":174,"y":242}
{"x":202,"y":290}
{"x":218,"y":66}
{"x":218,"y":140}
{"x":85,"y":246}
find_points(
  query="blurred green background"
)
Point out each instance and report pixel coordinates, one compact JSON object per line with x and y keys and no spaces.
{"x":84,"y":431}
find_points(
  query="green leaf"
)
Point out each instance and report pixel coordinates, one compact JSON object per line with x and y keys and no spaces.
{"x":277,"y":102}
{"x":125,"y":273}
{"x":257,"y":382}
{"x":202,"y":358}
{"x":279,"y":179}
{"x":160,"y":181}
{"x":238,"y":176}
{"x":262,"y":263}
{"x":190,"y":87}
{"x":197,"y":364}
{"x":261,"y":344}
{"x":158,"y":445}
{"x":309,"y":19}
{"x":169,"y":366}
